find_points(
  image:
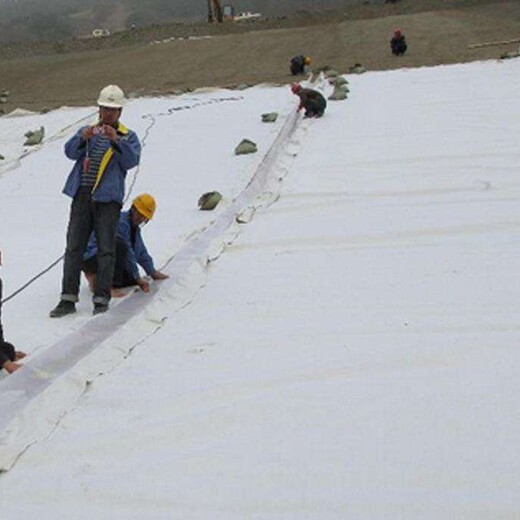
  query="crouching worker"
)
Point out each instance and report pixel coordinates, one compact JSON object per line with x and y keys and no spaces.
{"x":130,"y":249}
{"x":8,"y":354}
{"x":298,"y":64}
{"x":311,"y":100}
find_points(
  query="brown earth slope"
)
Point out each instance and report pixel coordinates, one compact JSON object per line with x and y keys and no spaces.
{"x":438,"y":32}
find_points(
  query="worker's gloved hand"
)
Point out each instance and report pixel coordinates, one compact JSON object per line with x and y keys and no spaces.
{"x":143,"y":285}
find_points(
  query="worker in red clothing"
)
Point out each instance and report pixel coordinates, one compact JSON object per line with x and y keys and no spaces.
{"x":310,"y":100}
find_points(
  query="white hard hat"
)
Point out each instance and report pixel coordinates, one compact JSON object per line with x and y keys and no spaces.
{"x":111,"y":96}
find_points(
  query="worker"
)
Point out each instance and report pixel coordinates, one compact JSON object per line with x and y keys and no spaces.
{"x":298,"y":64}
{"x":310,"y":100}
{"x":103,"y":153}
{"x":8,"y":354}
{"x":398,"y":43}
{"x":131,"y":251}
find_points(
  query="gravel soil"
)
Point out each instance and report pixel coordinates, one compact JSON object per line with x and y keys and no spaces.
{"x":169,"y":58}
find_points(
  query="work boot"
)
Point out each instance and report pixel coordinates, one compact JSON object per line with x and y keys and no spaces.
{"x":100,"y":308}
{"x":63,"y":308}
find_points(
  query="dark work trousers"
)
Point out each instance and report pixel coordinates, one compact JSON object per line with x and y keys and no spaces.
{"x":315,"y":107}
{"x":7,"y":352}
{"x":86,"y":216}
{"x":122,"y":275}
{"x":297,"y":68}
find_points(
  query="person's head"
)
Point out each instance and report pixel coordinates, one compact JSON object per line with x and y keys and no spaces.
{"x":397,"y":32}
{"x":111,"y":100}
{"x":143,"y":209}
{"x":296,"y":87}
{"x":307,"y":60}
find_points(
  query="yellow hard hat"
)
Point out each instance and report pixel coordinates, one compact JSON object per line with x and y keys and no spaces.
{"x":307,"y":60}
{"x":145,"y":204}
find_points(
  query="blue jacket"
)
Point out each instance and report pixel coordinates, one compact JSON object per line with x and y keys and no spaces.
{"x":120,"y":157}
{"x":136,"y":252}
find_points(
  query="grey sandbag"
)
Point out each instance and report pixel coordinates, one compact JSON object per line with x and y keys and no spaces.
{"x":209,"y":200}
{"x":508,"y":55}
{"x":246,"y":146}
{"x":357,"y":69}
{"x":35,"y":137}
{"x":331,"y":73}
{"x":271,"y":117}
{"x":339,"y":81}
{"x":339,"y":94}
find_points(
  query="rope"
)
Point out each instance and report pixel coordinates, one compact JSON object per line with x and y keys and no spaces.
{"x":153,"y":119}
{"x":33,"y":279}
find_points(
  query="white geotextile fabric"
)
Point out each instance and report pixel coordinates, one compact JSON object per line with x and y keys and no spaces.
{"x":33,"y":399}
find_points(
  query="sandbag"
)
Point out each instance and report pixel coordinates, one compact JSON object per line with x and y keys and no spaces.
{"x":209,"y":200}
{"x":339,"y":94}
{"x":270,"y":117}
{"x":246,"y":146}
{"x":339,"y":81}
{"x":357,"y":69}
{"x":331,"y":73}
{"x":34,"y":138}
{"x":509,"y":55}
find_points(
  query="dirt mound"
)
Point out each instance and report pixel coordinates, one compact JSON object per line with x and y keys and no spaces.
{"x":163,"y":59}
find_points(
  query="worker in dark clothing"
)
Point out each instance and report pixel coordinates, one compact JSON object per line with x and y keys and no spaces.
{"x":8,"y":354}
{"x":398,"y":43}
{"x":311,"y":100}
{"x":131,"y":251}
{"x":298,"y":64}
{"x":102,"y":154}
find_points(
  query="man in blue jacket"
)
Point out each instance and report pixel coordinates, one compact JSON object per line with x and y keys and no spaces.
{"x":103,"y":154}
{"x":131,"y":251}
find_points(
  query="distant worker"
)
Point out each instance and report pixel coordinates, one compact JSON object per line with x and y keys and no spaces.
{"x":398,"y":43}
{"x":311,"y":100}
{"x":8,"y":354}
{"x":102,"y":155}
{"x":130,"y":249}
{"x":298,"y":64}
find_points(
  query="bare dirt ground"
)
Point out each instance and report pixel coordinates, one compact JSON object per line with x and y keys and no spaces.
{"x":72,"y":73}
